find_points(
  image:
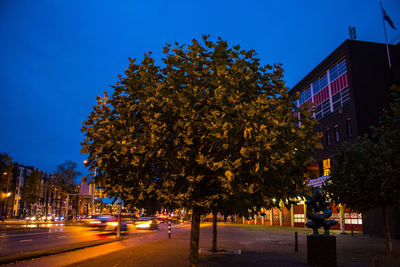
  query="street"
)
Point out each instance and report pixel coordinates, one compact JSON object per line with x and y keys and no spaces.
{"x":244,"y":245}
{"x":56,"y":235}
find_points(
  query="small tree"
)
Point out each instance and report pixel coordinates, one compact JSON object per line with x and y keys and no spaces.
{"x":64,"y":181}
{"x":64,"y":177}
{"x":31,"y":189}
{"x":366,"y":175}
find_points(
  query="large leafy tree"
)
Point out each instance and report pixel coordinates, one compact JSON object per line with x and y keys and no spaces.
{"x":210,"y":124}
{"x":366,"y":175}
{"x":31,"y":189}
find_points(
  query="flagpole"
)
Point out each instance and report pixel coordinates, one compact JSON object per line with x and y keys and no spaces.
{"x":384,"y":29}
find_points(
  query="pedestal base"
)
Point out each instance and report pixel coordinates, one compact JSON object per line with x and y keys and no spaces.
{"x":321,"y":250}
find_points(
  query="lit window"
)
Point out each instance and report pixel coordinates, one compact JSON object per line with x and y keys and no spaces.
{"x":326,"y":166}
{"x":327,"y":137}
{"x":336,"y":131}
{"x":348,"y":126}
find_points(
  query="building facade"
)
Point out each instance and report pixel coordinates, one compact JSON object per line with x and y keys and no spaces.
{"x":349,"y":90}
{"x":48,"y":202}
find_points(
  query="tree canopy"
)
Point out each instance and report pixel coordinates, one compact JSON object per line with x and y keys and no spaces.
{"x":64,"y":177}
{"x":6,"y":168}
{"x":208,"y":124}
{"x":31,"y":189}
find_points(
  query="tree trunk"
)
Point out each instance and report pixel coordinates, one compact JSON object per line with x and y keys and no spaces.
{"x":214,"y":232}
{"x":387,"y":230}
{"x":194,"y":238}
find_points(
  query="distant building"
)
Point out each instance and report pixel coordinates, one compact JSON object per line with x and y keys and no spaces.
{"x":47,"y":197}
{"x":89,"y":193}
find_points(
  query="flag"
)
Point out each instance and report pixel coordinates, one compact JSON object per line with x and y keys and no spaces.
{"x":386,"y":17}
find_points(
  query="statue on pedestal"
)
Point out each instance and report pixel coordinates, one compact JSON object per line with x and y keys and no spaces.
{"x":318,"y":212}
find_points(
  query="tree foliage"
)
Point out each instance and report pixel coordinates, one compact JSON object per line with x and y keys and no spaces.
{"x":208,"y":125}
{"x":31,"y":189}
{"x":64,"y":177}
{"x":6,"y":168}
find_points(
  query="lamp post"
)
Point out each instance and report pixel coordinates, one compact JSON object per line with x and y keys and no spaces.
{"x":93,"y":188}
{"x":7,"y":193}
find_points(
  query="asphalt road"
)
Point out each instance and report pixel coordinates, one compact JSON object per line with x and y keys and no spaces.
{"x":56,"y":235}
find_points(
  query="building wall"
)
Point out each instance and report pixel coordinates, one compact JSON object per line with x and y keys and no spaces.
{"x":371,"y":80}
{"x":45,"y":198}
{"x":368,"y":80}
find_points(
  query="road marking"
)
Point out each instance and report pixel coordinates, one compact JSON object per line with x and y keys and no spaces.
{"x":25,"y":240}
{"x":41,"y":233}
{"x":63,"y":236}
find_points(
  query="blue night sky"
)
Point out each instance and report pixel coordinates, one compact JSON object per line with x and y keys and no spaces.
{"x":57,"y":56}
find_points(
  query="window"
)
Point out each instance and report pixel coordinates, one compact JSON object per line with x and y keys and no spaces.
{"x":342,"y":67}
{"x":327,"y":137}
{"x":326,"y":107}
{"x":298,"y":218}
{"x":326,"y":166}
{"x":316,"y":87}
{"x":345,"y":95}
{"x":348,"y":127}
{"x":336,"y":101}
{"x":333,"y":73}
{"x":337,"y":70}
{"x":323,"y":82}
{"x":318,"y":112}
{"x":336,"y":132}
{"x":341,"y":98}
{"x":305,"y":95}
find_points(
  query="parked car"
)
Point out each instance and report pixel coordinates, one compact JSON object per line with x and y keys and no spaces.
{"x":147,"y":223}
{"x":105,"y":222}
{"x":31,"y":218}
{"x":49,"y":217}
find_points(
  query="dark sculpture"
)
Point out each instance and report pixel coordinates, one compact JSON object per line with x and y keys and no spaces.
{"x":318,"y":212}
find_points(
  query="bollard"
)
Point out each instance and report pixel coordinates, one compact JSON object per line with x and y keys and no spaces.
{"x":351,"y":228}
{"x":376,"y":261}
{"x":169,"y":226}
{"x":296,"y":243}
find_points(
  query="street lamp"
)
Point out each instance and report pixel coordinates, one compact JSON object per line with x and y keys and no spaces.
{"x":94,"y":187}
{"x":8,"y":193}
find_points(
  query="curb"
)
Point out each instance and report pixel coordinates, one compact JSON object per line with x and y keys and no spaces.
{"x":57,"y":250}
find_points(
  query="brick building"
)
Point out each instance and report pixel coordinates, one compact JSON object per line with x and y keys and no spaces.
{"x":349,"y":89}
